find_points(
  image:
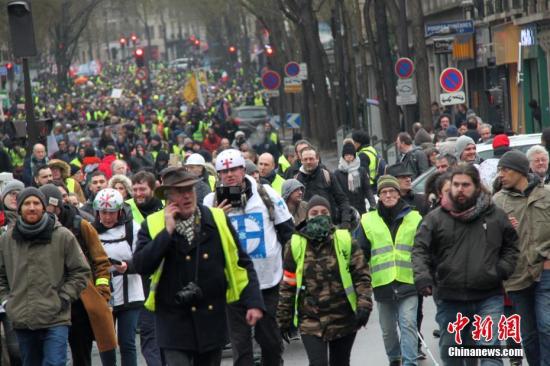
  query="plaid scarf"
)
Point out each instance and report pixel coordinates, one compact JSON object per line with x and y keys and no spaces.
{"x":188,"y":227}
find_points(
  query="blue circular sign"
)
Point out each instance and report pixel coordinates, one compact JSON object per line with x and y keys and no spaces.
{"x":271,"y":80}
{"x":451,"y":80}
{"x":404,"y":68}
{"x":292,"y":69}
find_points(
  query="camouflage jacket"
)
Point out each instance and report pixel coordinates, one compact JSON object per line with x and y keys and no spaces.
{"x":323,"y":309}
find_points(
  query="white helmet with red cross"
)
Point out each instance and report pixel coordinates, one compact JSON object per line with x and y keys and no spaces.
{"x":228,"y":159}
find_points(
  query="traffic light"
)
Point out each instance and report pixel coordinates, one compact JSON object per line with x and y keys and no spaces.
{"x":197,"y":43}
{"x":269,"y":50}
{"x":133,"y":38}
{"x":21,"y":28}
{"x":140,"y":57}
{"x":232,"y":49}
{"x":122,"y":41}
{"x":10,"y":71}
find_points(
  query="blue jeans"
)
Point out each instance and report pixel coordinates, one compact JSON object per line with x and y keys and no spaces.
{"x":148,"y":337}
{"x":126,"y":322}
{"x":46,"y":347}
{"x":533,"y":305}
{"x":447,"y":313}
{"x":400,"y":313}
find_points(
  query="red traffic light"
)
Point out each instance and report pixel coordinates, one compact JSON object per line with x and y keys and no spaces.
{"x":122,"y":40}
{"x":197,"y":42}
{"x":9,"y":66}
{"x":133,"y":38}
{"x":139,"y":52}
{"x":269,"y":51}
{"x":232,"y":49}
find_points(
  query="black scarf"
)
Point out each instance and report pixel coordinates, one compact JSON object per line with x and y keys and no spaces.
{"x":149,"y":207}
{"x":40,"y":232}
{"x":389,"y":214}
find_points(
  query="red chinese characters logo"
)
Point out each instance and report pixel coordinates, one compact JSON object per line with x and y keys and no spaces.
{"x":508,"y":328}
{"x":457,"y":326}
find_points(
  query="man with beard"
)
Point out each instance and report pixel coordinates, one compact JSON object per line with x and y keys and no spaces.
{"x":143,"y":204}
{"x":387,"y":237}
{"x":462,"y":253}
{"x":318,"y":180}
{"x":526,"y":200}
{"x":91,"y":317}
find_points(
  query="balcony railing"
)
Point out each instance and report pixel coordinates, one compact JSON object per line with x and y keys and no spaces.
{"x":527,"y":7}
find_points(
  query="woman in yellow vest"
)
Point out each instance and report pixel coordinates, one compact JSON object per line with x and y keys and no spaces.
{"x":326,"y":288}
{"x":198,"y":267}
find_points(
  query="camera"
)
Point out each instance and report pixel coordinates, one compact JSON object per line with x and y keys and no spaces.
{"x":230,"y":193}
{"x":189,"y":294}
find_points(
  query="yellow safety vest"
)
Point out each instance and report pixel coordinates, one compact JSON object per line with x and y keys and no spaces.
{"x":136,"y":213}
{"x":390,"y":260}
{"x":236,"y":276}
{"x":274,"y":137}
{"x":342,"y":246}
{"x":212,"y":182}
{"x":76,"y":162}
{"x":277,"y":184}
{"x":283,"y":164}
{"x":373,"y":162}
{"x":71,"y":183}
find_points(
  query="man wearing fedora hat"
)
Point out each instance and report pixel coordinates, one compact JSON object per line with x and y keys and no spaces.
{"x":197,"y":268}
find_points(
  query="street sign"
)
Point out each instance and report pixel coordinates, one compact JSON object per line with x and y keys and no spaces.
{"x":303,"y":71}
{"x":452,"y":27}
{"x":451,"y":80}
{"x":141,"y":74}
{"x":293,"y":120}
{"x":292,"y":69}
{"x":405,"y":87}
{"x":293,"y":85}
{"x":271,"y":93}
{"x":404,"y":68}
{"x":406,"y":99}
{"x":271,"y":80}
{"x":444,"y":45}
{"x":452,"y":98}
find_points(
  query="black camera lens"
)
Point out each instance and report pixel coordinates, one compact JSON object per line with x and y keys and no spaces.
{"x":189,"y":294}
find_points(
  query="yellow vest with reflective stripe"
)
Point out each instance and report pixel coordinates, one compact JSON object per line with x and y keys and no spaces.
{"x":283,"y":164}
{"x":390,"y":261}
{"x":71,"y":183}
{"x":342,"y":247}
{"x":236,"y":276}
{"x":136,"y":213}
{"x":274,"y":137}
{"x":373,"y":162}
{"x":277,"y":184}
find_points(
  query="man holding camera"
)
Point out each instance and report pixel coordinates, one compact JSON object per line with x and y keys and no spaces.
{"x":263,"y":222}
{"x":197,"y":268}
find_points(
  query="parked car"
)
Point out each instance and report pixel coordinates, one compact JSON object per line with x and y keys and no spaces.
{"x":249,"y":118}
{"x":485,"y":151}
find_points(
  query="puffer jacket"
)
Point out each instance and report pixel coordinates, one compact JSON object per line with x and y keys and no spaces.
{"x":532,"y":210}
{"x":465,"y":259}
{"x":323,"y":308}
{"x":40,"y":279}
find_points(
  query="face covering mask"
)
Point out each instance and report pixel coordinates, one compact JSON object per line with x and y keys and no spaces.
{"x":318,"y":227}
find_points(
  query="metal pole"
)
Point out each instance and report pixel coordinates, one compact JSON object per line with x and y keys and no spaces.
{"x":32,"y":128}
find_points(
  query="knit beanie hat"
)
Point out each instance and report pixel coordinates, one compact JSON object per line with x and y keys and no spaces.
{"x":500,"y":141}
{"x":250,"y":167}
{"x":348,"y":149}
{"x":515,"y":160}
{"x":74,"y":169}
{"x":317,"y":200}
{"x":421,"y":137}
{"x":26,"y":193}
{"x":289,"y":186}
{"x":12,"y":185}
{"x":52,"y":194}
{"x":388,"y":181}
{"x":461,"y":143}
{"x":451,"y":131}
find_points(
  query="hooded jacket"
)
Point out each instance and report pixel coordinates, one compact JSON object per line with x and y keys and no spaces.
{"x":40,"y":278}
{"x":532,"y":210}
{"x":465,"y":258}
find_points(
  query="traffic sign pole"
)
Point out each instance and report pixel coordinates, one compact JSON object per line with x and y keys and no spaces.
{"x":451,"y":80}
{"x":404,"y":68}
